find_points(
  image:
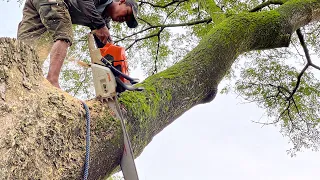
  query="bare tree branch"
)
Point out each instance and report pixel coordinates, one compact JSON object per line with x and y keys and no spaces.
{"x":298,"y":81}
{"x":298,"y":111}
{"x":309,"y":62}
{"x":158,"y":46}
{"x":157,"y":55}
{"x":304,"y":46}
{"x":296,"y":48}
{"x":172,"y":11}
{"x":300,"y":115}
{"x":145,"y":21}
{"x":208,"y":20}
{"x":162,"y":6}
{"x":280,"y":2}
{"x":137,"y":40}
{"x":315,"y":66}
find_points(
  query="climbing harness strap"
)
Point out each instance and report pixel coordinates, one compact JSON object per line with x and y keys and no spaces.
{"x":127,"y":161}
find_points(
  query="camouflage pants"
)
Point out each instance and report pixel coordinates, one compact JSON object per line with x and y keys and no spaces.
{"x":43,"y":23}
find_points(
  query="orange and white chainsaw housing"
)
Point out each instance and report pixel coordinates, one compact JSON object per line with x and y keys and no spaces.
{"x":110,"y":69}
{"x":104,"y":81}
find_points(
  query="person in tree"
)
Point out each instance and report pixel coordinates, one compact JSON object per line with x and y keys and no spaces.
{"x":47,"y":25}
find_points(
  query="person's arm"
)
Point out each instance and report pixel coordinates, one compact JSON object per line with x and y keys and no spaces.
{"x":97,"y":21}
{"x":90,"y":11}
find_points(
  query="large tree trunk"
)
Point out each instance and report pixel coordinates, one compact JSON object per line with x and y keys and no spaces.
{"x":43,"y":128}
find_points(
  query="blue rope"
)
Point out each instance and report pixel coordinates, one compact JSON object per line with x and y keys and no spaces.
{"x":86,"y":166}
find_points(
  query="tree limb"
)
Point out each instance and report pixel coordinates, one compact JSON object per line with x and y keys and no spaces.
{"x":162,"y":6}
{"x":145,"y":21}
{"x":280,"y":2}
{"x":157,"y":53}
{"x":146,"y":37}
{"x":309,"y":62}
{"x":208,"y":20}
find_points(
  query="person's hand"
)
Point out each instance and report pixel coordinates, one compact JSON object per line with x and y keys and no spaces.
{"x":104,"y":35}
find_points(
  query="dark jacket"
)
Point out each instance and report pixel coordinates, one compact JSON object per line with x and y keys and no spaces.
{"x":89,"y":12}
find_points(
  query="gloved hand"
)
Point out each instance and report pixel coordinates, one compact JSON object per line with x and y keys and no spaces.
{"x":104,"y":35}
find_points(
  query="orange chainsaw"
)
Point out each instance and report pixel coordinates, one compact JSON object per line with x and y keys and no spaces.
{"x":110,"y":68}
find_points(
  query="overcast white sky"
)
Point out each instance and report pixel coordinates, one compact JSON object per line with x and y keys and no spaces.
{"x":211,"y":141}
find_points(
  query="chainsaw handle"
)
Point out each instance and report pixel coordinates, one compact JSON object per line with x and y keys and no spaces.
{"x":127,"y":86}
{"x":94,"y":45}
{"x":95,"y":54}
{"x":117,"y":72}
{"x":91,"y":42}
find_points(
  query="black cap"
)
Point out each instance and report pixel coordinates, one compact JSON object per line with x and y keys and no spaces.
{"x":132,"y":23}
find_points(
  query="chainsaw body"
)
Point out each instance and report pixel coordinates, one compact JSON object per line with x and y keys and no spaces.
{"x":104,"y":81}
{"x":109,"y":69}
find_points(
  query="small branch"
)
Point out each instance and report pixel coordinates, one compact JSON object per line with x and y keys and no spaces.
{"x":304,"y":46}
{"x":199,"y":12}
{"x":274,"y":122}
{"x":208,"y":20}
{"x":145,"y":21}
{"x":305,"y":49}
{"x":279,"y":88}
{"x":282,"y":113}
{"x":265,"y":123}
{"x":298,"y":81}
{"x":288,"y":109}
{"x":309,"y":62}
{"x":137,"y":40}
{"x":298,"y":111}
{"x":285,"y":89}
{"x":156,"y":60}
{"x":148,"y":28}
{"x":280,"y":2}
{"x":172,"y":12}
{"x":315,"y":66}
{"x":290,"y":119}
{"x":294,"y":45}
{"x":162,"y":6}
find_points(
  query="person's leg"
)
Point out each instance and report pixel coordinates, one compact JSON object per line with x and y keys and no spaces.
{"x":57,"y":56}
{"x":58,"y":23}
{"x":32,"y":31}
{"x":53,"y":15}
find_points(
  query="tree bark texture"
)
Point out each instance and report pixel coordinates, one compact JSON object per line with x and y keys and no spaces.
{"x":43,"y":128}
